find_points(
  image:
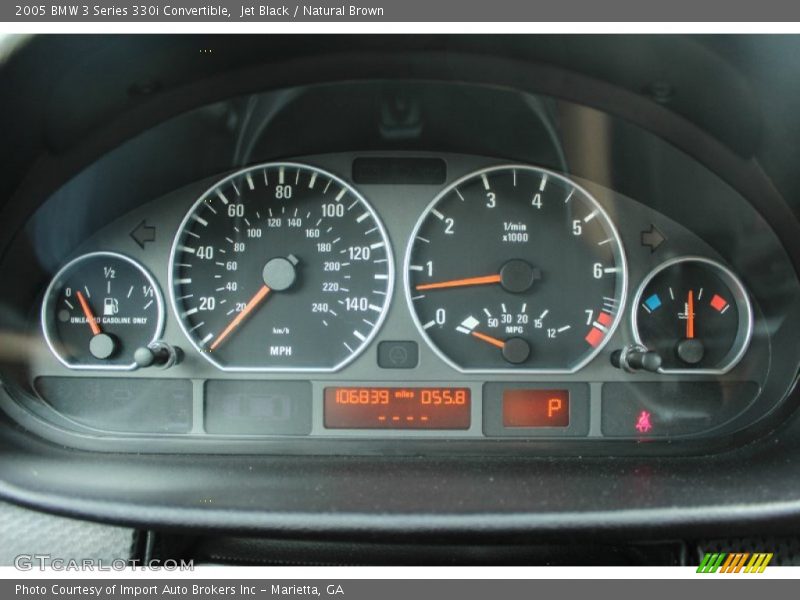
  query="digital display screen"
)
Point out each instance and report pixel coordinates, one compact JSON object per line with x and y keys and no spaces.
{"x":397,"y":408}
{"x":536,"y":408}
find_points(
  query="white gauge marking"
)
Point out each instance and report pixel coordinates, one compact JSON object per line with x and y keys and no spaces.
{"x":543,"y":183}
{"x":222,"y":196}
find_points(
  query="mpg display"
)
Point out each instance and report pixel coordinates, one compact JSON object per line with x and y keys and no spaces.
{"x":397,"y":408}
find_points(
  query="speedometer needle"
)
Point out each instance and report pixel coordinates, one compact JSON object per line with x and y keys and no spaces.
{"x":87,"y":312}
{"x":483,"y":280}
{"x":249,"y":307}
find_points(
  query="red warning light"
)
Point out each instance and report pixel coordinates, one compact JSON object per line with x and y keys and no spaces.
{"x":643,"y":422}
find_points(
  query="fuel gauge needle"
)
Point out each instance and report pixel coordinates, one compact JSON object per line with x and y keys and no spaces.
{"x":87,"y":312}
{"x":690,"y":316}
{"x":249,"y":307}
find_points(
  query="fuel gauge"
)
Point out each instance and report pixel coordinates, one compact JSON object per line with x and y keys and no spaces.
{"x":99,"y":309}
{"x":695,"y":314}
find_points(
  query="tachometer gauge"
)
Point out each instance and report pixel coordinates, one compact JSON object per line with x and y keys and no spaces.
{"x":695,"y":313}
{"x":99,"y":309}
{"x":281,"y":267}
{"x":515,"y":268}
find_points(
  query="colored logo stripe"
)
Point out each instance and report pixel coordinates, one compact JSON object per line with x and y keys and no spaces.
{"x":734,"y":562}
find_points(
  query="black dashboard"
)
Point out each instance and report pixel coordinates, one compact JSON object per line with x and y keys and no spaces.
{"x":476,"y":284}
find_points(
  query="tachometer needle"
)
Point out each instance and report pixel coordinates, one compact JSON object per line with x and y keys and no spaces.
{"x":489,"y":339}
{"x":87,"y":312}
{"x":690,"y":316}
{"x":483,"y":280}
{"x":249,"y":307}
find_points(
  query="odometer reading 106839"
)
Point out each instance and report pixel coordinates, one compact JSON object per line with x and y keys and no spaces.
{"x":516,"y":268}
{"x":281,"y":267}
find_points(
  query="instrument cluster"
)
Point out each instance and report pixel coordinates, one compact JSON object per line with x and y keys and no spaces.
{"x":425,"y":296}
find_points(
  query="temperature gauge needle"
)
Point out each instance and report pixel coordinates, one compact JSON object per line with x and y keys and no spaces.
{"x":483,"y":280}
{"x":489,"y":339}
{"x":690,"y":316}
{"x":249,"y":307}
{"x":87,"y":312}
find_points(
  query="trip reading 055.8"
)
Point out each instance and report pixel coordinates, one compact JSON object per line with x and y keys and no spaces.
{"x":397,"y":408}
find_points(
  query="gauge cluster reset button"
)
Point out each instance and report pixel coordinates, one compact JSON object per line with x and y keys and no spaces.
{"x":398,"y":355}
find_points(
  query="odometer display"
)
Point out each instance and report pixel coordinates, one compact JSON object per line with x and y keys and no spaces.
{"x":281,"y":267}
{"x":397,"y":408}
{"x":515,"y":268}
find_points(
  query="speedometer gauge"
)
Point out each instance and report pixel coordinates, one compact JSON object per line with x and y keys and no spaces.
{"x":281,"y":267}
{"x":516,"y":268}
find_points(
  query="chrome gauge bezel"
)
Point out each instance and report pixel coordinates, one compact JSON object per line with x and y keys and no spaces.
{"x":744,"y":331}
{"x":618,"y":317}
{"x":269,"y":165}
{"x":47,"y":304}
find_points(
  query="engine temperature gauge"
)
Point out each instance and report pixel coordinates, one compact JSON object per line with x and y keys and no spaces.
{"x":99,"y":309}
{"x":695,"y":314}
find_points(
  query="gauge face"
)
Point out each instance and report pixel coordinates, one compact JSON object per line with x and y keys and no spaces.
{"x":99,"y":309}
{"x":515,"y":268}
{"x":281,"y":267}
{"x":695,"y":314}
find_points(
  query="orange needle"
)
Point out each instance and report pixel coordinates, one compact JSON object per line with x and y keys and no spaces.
{"x":460,"y":282}
{"x":690,"y":316}
{"x":87,"y":312}
{"x":254,"y":301}
{"x":489,"y":339}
